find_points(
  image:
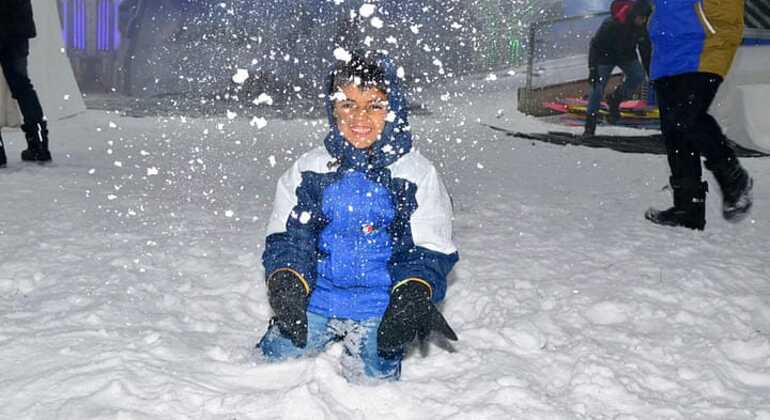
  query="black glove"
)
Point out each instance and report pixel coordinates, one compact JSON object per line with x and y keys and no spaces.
{"x":288,"y":299}
{"x":410,"y":313}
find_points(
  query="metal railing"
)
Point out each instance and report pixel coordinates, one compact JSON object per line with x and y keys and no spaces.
{"x":535,"y":43}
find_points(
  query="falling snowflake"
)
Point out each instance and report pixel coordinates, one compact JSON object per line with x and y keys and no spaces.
{"x":240,"y":76}
{"x":342,"y":54}
{"x":367,"y":10}
{"x":263,"y":98}
{"x":258,"y":122}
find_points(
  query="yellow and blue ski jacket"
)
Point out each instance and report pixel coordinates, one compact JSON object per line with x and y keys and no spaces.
{"x":353,"y":224}
{"x":690,"y":36}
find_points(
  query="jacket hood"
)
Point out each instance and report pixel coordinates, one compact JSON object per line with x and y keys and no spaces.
{"x":625,"y":11}
{"x":395,"y":139}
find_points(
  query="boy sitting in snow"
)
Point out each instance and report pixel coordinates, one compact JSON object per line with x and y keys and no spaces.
{"x":359,"y":243}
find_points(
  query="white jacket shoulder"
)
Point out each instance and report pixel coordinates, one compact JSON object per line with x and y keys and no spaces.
{"x":413,"y":166}
{"x":316,"y":160}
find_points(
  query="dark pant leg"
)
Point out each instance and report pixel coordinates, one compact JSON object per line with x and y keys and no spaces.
{"x":13,"y":59}
{"x":694,"y":93}
{"x":706,"y":132}
{"x":633,"y":78}
{"x":683,"y":157}
{"x":603,"y":73}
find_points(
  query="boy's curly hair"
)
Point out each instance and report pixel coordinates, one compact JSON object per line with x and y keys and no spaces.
{"x":361,"y":70}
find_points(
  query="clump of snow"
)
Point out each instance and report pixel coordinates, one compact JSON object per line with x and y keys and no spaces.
{"x":366,"y":10}
{"x":240,"y":76}
{"x":263,"y":98}
{"x":342,"y":54}
{"x":377,"y":22}
{"x":258,"y":122}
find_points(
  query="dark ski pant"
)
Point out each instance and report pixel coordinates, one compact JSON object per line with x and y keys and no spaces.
{"x":13,"y":60}
{"x":633,"y":78}
{"x":689,"y":131}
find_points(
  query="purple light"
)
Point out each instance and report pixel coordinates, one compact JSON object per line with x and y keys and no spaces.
{"x":102,"y":25}
{"x":79,"y":25}
{"x":64,"y":7}
{"x":115,"y":32}
{"x":107,"y":35}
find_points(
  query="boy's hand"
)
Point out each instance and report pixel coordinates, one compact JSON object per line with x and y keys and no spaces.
{"x":288,"y":299}
{"x":409,"y":314}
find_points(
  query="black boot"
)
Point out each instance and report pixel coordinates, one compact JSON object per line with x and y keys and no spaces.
{"x":590,"y":127}
{"x":37,"y":143}
{"x":613,"y":103}
{"x":3,"y":160}
{"x":736,"y":186}
{"x":689,"y":205}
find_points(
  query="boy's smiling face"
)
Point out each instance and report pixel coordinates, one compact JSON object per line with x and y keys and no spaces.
{"x":360,"y":114}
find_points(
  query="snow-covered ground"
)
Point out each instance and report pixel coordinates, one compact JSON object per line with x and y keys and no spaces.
{"x":131,"y":285}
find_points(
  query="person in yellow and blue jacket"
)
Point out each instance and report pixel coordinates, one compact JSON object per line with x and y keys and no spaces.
{"x":693,"y":46}
{"x":359,"y":244}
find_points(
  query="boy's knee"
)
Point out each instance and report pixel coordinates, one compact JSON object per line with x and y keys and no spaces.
{"x":384,"y":369}
{"x":275,"y":347}
{"x":375,"y":365}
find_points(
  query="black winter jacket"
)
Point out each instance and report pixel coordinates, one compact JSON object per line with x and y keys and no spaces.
{"x":16,"y":20}
{"x":615,"y":43}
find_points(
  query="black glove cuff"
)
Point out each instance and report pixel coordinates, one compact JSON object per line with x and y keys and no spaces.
{"x":412,"y":290}
{"x":285,"y":283}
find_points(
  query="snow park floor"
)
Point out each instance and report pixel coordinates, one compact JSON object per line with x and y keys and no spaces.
{"x":131,"y":285}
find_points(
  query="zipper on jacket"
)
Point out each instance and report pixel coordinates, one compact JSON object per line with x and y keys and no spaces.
{"x":704,"y":19}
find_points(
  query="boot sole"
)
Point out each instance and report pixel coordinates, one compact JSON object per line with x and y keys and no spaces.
{"x":652,"y":215}
{"x":737,"y":215}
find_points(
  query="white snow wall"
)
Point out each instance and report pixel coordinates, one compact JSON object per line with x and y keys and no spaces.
{"x":49,"y":69}
{"x":740,"y":105}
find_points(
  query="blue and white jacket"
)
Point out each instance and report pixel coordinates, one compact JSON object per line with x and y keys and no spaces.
{"x":353,"y":224}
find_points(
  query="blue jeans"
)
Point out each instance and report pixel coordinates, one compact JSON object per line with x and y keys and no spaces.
{"x":634,"y":76}
{"x":358,"y":337}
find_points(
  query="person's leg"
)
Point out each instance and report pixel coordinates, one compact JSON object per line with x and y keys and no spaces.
{"x":275,"y":347}
{"x":361,"y":354}
{"x":684,"y":161}
{"x":3,"y":160}
{"x":683,"y":157}
{"x":633,"y":76}
{"x":14,"y":65}
{"x":703,"y":132}
{"x":598,"y":84}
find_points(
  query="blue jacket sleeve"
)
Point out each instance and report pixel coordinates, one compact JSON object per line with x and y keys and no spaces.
{"x":295,"y":224}
{"x":425,"y":252}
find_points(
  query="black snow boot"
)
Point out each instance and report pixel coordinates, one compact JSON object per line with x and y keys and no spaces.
{"x":736,"y":186}
{"x":689,"y":205}
{"x":3,"y":160}
{"x":613,"y":103}
{"x":37,"y":143}
{"x":590,"y":127}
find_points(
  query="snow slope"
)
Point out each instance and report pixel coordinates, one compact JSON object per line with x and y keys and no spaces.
{"x":131,"y":285}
